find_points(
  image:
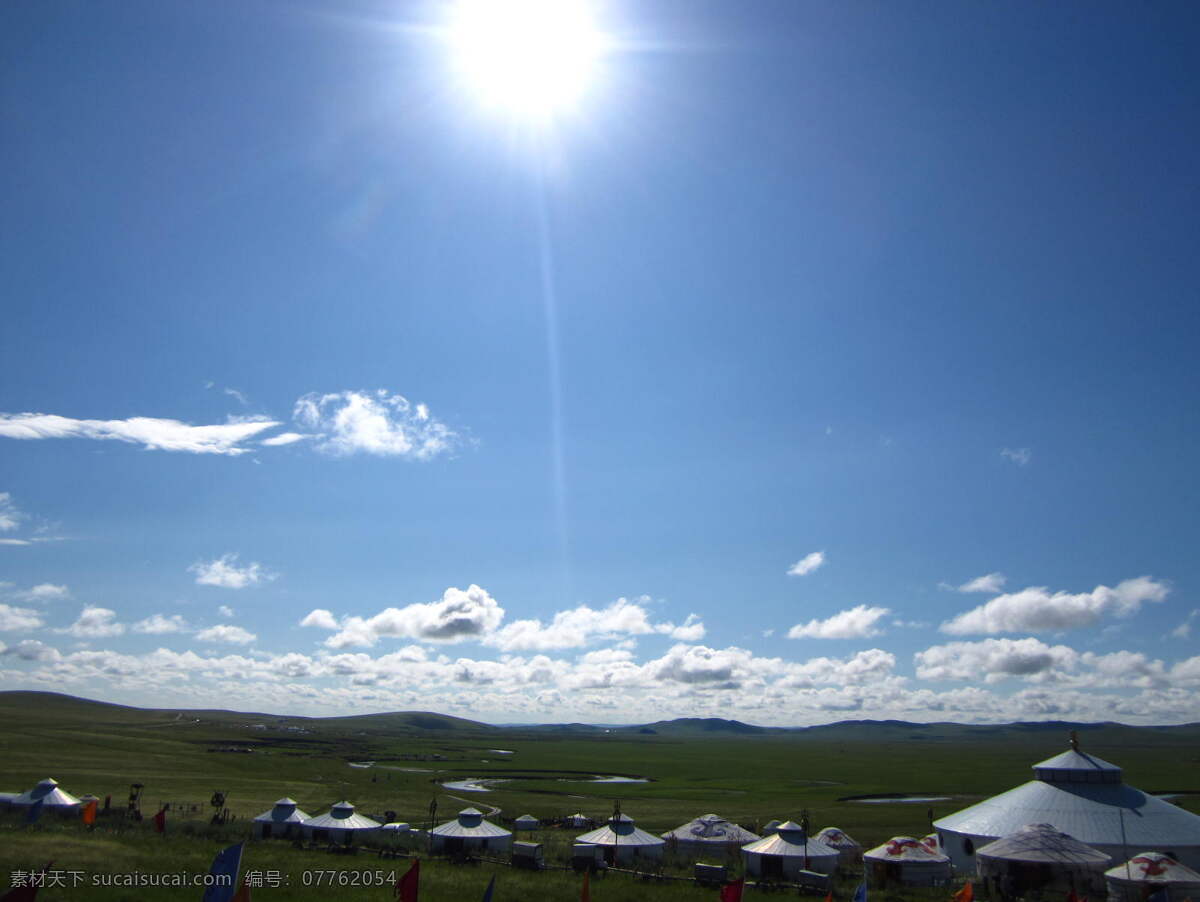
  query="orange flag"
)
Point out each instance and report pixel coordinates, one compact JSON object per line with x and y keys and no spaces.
{"x":89,"y":813}
{"x":829,"y":897}
{"x":966,"y":894}
{"x":586,"y":895}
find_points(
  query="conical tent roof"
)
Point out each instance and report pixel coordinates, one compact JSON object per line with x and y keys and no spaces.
{"x":470,"y":822}
{"x":49,"y":794}
{"x":620,"y":831}
{"x":904,"y":848}
{"x":1154,"y":869}
{"x":283,"y":812}
{"x":710,"y":829}
{"x":1044,"y":844}
{"x":790,"y":844}
{"x":837,"y":838}
{"x":341,"y":816}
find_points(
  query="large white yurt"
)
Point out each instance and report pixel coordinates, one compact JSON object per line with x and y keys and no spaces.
{"x":1148,"y":873}
{"x":906,"y":861}
{"x":50,"y":795}
{"x":1040,"y":859}
{"x":622,"y":841}
{"x":786,"y":852}
{"x":526,"y":822}
{"x":709,"y":834}
{"x":469,"y":832}
{"x":340,"y":825}
{"x":284,"y":820}
{"x":849,"y":849}
{"x":1080,"y":795}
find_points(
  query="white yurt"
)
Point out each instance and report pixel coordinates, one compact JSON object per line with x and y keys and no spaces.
{"x":526,"y":822}
{"x":849,"y":849}
{"x":340,"y":825}
{"x":51,"y":797}
{"x":577,"y":820}
{"x":1040,"y":859}
{"x":1080,"y":795}
{"x":770,"y":827}
{"x":469,"y":832}
{"x":284,"y":820}
{"x":787,"y":851}
{"x":906,"y":861}
{"x":1149,"y":873}
{"x":709,"y":834}
{"x":623,"y":842}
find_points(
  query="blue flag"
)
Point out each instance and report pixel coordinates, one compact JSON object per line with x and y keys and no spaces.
{"x":34,"y":812}
{"x":860,"y":894}
{"x":487,"y":893}
{"x":227,"y":864}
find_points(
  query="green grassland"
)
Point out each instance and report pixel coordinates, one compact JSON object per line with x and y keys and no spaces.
{"x":693,"y":767}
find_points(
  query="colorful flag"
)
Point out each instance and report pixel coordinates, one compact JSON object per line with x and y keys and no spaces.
{"x":34,"y":812}
{"x":487,"y":893}
{"x":406,"y":886}
{"x":89,"y":813}
{"x":586,"y":895}
{"x":732,"y":892}
{"x":860,"y":894}
{"x":160,"y":821}
{"x":966,"y":894}
{"x":227,"y":864}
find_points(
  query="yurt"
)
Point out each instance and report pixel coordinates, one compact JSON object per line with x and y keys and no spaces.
{"x":907,"y":861}
{"x":284,"y":820}
{"x":623,"y":842}
{"x":469,"y":832}
{"x":340,"y":825}
{"x":1080,"y":795}
{"x":783,"y":854}
{"x":770,"y":827}
{"x":526,"y":822}
{"x":577,"y":820}
{"x":1040,"y":859}
{"x":709,"y":834}
{"x":931,"y":841}
{"x":1149,"y":873}
{"x":51,"y":797}
{"x":848,"y":848}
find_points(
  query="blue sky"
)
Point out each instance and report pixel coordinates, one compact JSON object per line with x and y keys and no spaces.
{"x":530,"y":422}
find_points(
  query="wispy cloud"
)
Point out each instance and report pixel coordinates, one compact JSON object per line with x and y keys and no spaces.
{"x":226,"y":574}
{"x":807,"y":564}
{"x":1020,"y":456}
{"x":1184,"y":629}
{"x":10,"y":516}
{"x":224,"y":632}
{"x":149,"y":432}
{"x":241,"y":398}
{"x":160,"y":624}
{"x":989,"y":582}
{"x":378,"y":423}
{"x":859,"y":622}
{"x":225,"y":610}
{"x":284,"y":438}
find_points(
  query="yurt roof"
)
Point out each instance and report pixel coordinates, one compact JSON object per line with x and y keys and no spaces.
{"x":620,"y":831}
{"x":470,"y":822}
{"x":905,"y":848}
{"x":341,"y":817}
{"x":49,"y":794}
{"x":527,"y":819}
{"x":1099,"y":814}
{"x":284,"y":812}
{"x":1043,"y":843}
{"x":711,"y":829}
{"x":787,"y":845}
{"x":1154,"y":867}
{"x":837,"y":838}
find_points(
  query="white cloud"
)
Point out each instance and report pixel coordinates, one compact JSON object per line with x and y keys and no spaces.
{"x":15,"y":620}
{"x":1019,"y":456}
{"x":1037,"y":610}
{"x":378,"y":423}
{"x":226,"y":633}
{"x":460,"y":615}
{"x":31,"y":650}
{"x":284,"y":438}
{"x":95,"y":623}
{"x":584,"y":625}
{"x":10,"y":516}
{"x":989,"y":582}
{"x":859,"y":622}
{"x":1184,"y":629}
{"x":321,"y":619}
{"x":234,"y":393}
{"x":15,"y":542}
{"x":46,"y":592}
{"x":225,"y":610}
{"x":225,"y":573}
{"x":157,"y":624}
{"x":873,"y":665}
{"x":152,"y":433}
{"x":995,"y":659}
{"x":807,"y":564}
{"x":691,"y":630}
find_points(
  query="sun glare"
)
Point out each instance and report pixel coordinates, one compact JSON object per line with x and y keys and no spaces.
{"x":529,"y":58}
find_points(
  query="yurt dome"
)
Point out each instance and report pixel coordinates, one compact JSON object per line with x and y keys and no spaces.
{"x":836,"y":838}
{"x":771,"y":826}
{"x":49,"y":794}
{"x":622,"y":841}
{"x":709,"y":833}
{"x":341,"y":823}
{"x":1080,"y":795}
{"x":577,"y":819}
{"x":469,"y":831}
{"x":284,"y":819}
{"x":907,"y":861}
{"x":1148,"y":873}
{"x":1040,"y":859}
{"x":788,"y":851}
{"x":526,"y":822}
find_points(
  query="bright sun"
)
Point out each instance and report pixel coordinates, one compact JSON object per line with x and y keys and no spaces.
{"x":529,"y":58}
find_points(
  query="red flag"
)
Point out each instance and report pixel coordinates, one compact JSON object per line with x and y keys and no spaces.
{"x":829,"y":897}
{"x":243,"y":894}
{"x":732,"y":892}
{"x":966,"y":894}
{"x":28,"y":892}
{"x":1071,"y":897}
{"x":586,"y":895}
{"x":89,"y":813}
{"x":406,"y":886}
{"x":160,"y":821}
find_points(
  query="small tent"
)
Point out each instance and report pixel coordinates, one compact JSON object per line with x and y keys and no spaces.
{"x":782,"y":855}
{"x":848,"y":848}
{"x":1147,"y":874}
{"x":469,"y":832}
{"x":709,"y":834}
{"x":284,"y":820}
{"x":906,"y":861}
{"x":48,"y":793}
{"x":623,"y":842}
{"x":340,"y":825}
{"x":577,"y":820}
{"x":1040,"y":859}
{"x":526,"y":822}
